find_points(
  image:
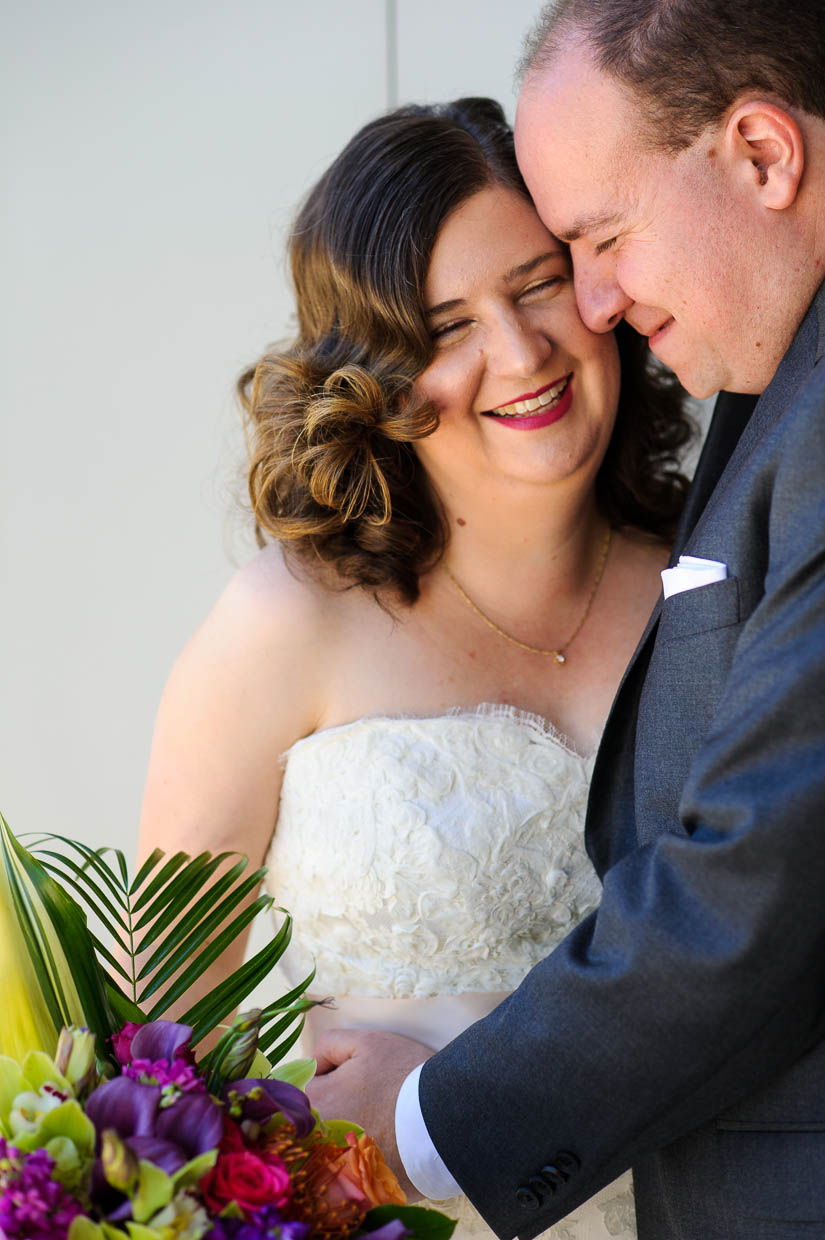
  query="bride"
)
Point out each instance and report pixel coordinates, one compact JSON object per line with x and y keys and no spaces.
{"x":463,"y":501}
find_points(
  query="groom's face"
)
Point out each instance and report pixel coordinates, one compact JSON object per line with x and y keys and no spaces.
{"x":664,"y":241}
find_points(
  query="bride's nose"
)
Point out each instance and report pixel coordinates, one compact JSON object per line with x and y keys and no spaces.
{"x":516,"y":347}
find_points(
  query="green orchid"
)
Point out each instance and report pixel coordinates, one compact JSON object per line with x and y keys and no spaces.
{"x":182,"y":1217}
{"x":38,"y":1110}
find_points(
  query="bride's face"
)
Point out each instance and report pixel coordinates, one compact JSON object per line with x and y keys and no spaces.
{"x":524,"y":390}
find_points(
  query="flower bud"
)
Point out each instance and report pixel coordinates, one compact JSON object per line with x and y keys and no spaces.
{"x":75,"y":1056}
{"x":238,"y":1059}
{"x":120,"y":1165}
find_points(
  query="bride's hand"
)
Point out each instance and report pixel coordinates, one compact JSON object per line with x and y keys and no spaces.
{"x":360,"y":1072}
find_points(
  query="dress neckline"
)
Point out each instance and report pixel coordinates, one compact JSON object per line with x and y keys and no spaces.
{"x":483,"y":710}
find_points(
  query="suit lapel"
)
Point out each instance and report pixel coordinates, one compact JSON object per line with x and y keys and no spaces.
{"x":730,"y":417}
{"x":738,"y":424}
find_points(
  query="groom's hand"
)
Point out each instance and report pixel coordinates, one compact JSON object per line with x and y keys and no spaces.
{"x":360,"y":1072}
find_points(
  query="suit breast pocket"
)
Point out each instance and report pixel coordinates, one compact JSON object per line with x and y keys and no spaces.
{"x":715,"y":606}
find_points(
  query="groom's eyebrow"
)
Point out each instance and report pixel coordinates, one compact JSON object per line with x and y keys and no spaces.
{"x":593,"y":223}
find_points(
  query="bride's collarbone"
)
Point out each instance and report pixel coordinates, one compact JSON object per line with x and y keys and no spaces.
{"x":412,"y":664}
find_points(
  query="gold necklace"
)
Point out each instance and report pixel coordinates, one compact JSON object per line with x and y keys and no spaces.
{"x":558,"y":655}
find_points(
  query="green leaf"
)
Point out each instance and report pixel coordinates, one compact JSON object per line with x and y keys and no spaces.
{"x":175,"y":896}
{"x":154,"y":1190}
{"x":268,"y":1039}
{"x":161,"y":878}
{"x":194,"y":1171}
{"x":424,"y":1224}
{"x":186,"y":917}
{"x":231,"y":993}
{"x":145,"y":870}
{"x":69,"y":926}
{"x":79,"y":878}
{"x":207,"y":957}
{"x":123,"y":1007}
{"x":278,"y":1005}
{"x":276,"y":1053}
{"x":180,"y":932}
{"x":336,"y":1130}
{"x":82,"y":1228}
{"x":91,"y":857}
{"x":297,"y":1072}
{"x":209,"y":922}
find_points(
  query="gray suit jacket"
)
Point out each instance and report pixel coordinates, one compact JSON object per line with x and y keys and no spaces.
{"x":679,"y":1028}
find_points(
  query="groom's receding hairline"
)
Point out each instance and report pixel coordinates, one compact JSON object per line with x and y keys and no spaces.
{"x":688,"y":60}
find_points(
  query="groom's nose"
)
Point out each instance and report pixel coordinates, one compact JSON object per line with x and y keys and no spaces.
{"x":601,"y":299}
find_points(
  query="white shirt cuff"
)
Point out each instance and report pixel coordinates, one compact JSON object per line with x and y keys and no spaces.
{"x":422,"y":1162}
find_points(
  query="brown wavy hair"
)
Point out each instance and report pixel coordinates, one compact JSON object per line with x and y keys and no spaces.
{"x":332,"y":420}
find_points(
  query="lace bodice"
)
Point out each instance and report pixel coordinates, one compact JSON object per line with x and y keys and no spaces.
{"x":431,"y":856}
{"x":429,"y":863}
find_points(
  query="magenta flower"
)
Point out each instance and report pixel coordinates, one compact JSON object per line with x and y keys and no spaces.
{"x":122,"y":1041}
{"x":158,"y":1053}
{"x":33,"y":1205}
{"x":178,"y":1073}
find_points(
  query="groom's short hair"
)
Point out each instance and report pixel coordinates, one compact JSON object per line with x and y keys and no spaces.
{"x":690,"y":59}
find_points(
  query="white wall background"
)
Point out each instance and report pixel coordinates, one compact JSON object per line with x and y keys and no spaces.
{"x":154,"y":156}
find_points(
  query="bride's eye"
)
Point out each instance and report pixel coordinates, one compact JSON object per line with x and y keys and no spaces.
{"x":550,"y":283}
{"x":448,"y":331}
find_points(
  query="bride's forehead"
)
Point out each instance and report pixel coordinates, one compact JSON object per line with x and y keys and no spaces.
{"x":492,"y":233}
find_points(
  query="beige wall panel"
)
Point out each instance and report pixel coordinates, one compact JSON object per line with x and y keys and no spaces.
{"x":155,"y":157}
{"x":449,"y":48}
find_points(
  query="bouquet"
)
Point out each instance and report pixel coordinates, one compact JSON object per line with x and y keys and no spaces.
{"x":111,"y":1125}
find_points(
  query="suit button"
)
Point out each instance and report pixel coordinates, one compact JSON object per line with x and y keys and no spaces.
{"x":553,"y":1177}
{"x":527,"y":1199}
{"x":568,"y":1162}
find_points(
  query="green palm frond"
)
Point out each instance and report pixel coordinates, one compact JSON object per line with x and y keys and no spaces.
{"x":168,"y":924}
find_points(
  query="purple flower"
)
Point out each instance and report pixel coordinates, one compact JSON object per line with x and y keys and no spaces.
{"x":265,"y":1224}
{"x":393,"y":1230}
{"x":126,"y":1106}
{"x":168,"y":1136}
{"x":259,"y":1100}
{"x":32,"y":1204}
{"x":162,"y":1039}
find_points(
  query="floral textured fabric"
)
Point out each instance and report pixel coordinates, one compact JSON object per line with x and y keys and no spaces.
{"x":440,"y":856}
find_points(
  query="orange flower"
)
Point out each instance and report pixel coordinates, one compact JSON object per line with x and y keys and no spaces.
{"x":363,"y":1163}
{"x":337,"y":1185}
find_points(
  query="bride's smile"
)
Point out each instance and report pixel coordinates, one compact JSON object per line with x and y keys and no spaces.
{"x":510,"y":352}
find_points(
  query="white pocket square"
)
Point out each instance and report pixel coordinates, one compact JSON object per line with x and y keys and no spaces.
{"x":690,"y":572}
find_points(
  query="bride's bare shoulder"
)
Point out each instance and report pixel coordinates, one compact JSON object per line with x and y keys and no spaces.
{"x":278,"y":593}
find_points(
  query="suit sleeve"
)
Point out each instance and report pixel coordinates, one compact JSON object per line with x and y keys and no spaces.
{"x":702,"y":974}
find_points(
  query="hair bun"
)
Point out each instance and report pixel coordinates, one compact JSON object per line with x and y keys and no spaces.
{"x":339,"y":422}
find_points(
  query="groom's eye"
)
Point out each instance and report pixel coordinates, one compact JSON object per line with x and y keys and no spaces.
{"x":605,"y":245}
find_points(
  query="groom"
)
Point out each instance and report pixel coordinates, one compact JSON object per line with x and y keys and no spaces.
{"x":679,"y":147}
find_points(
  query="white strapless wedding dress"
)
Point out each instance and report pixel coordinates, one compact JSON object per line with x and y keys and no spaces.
{"x":429,"y":863}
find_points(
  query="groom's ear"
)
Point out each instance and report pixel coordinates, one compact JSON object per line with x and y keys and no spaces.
{"x":767,"y":148}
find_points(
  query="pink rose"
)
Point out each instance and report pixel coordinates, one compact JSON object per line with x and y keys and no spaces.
{"x":122,"y":1041}
{"x":251,"y":1181}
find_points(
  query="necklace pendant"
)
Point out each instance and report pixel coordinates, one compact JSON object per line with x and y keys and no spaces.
{"x":559,"y":657}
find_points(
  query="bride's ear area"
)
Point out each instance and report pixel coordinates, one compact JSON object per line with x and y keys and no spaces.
{"x":766,"y":144}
